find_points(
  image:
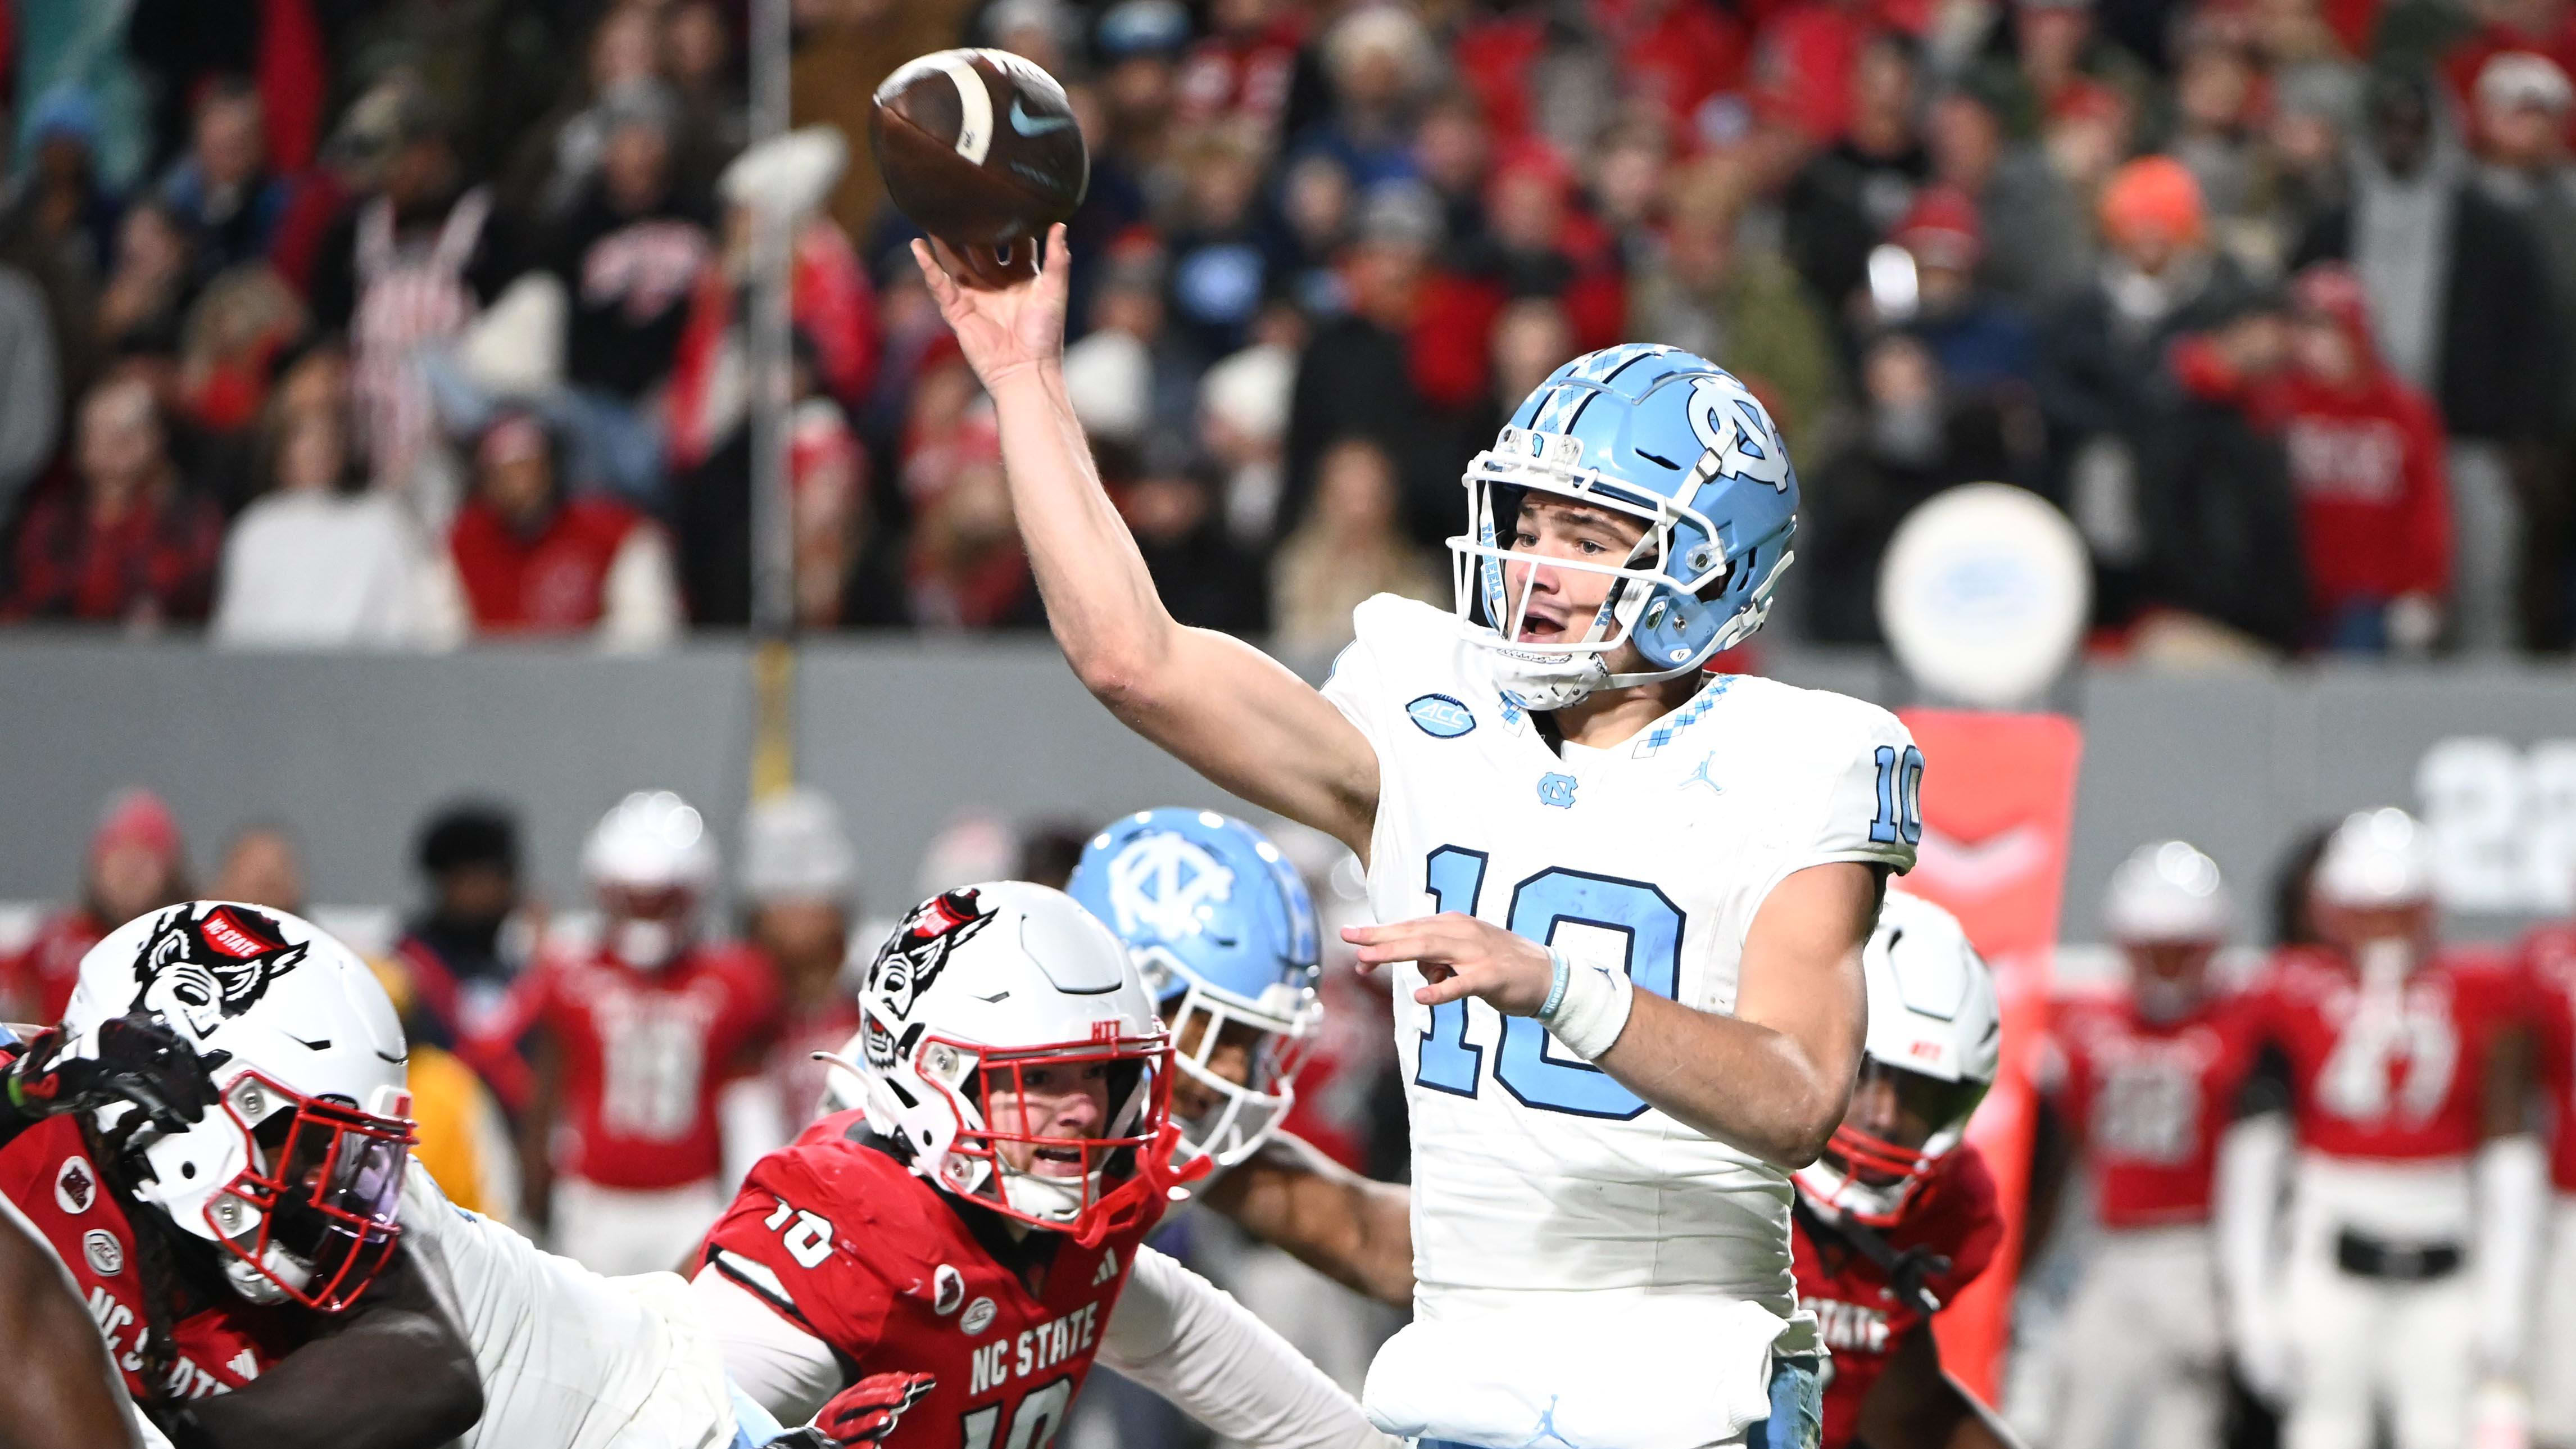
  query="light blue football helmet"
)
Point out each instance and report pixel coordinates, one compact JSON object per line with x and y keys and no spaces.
{"x":1661,"y":435}
{"x":1223,"y":930}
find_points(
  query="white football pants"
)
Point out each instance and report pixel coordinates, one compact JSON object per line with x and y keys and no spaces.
{"x":2141,"y":1361}
{"x":619,"y":1231}
{"x":2369,"y":1348}
{"x":2553,"y":1357}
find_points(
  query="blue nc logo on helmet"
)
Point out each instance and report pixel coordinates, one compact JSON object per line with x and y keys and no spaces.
{"x":1223,"y":930}
{"x":1660,"y":436}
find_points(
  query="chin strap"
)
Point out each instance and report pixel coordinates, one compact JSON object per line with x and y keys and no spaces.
{"x":1909,"y":1270}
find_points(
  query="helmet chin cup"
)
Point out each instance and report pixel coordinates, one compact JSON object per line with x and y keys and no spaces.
{"x":268,"y":1281}
{"x":644,"y":945}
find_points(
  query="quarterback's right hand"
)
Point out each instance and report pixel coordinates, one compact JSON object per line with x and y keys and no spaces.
{"x":1008,"y":314}
{"x":135,"y":1058}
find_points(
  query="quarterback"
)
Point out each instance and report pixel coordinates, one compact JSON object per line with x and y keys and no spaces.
{"x":1625,"y":899}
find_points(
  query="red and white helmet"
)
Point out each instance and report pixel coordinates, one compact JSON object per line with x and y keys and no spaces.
{"x":1935,"y":1038}
{"x":650,"y":861}
{"x":982,"y":985}
{"x":296,"y":1171}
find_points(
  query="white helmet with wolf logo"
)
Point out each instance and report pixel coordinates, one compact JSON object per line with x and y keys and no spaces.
{"x":296,"y":1171}
{"x":980,"y":984}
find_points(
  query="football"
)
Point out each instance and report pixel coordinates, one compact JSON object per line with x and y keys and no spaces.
{"x":979,"y":147}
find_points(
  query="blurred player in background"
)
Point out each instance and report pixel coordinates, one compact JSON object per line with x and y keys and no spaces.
{"x":944,"y":1266}
{"x":456,"y":952}
{"x":1558,"y":808}
{"x":1223,"y":930}
{"x":2141,"y":1087}
{"x":2413,"y":1194}
{"x":213,"y":1141}
{"x":621,"y":1148}
{"x":800,"y":878}
{"x":136,"y":863}
{"x":2549,"y":961}
{"x":1900,"y":1213}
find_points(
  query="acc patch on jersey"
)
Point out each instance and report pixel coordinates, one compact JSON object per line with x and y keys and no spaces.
{"x":978,"y":1316}
{"x":106,"y":1255}
{"x":1441,"y":717}
{"x":75,"y":1185}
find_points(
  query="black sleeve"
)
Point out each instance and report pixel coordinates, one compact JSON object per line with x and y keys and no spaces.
{"x":2269,"y":1087}
{"x":333,"y":296}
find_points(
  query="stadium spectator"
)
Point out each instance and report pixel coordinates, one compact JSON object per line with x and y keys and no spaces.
{"x":223,"y":192}
{"x":1220,"y":270}
{"x":31,"y":402}
{"x":1355,"y":377}
{"x":2457,"y":292}
{"x":134,"y":542}
{"x":2036,"y":248}
{"x":1243,"y":409}
{"x":459,"y":955}
{"x":697,"y":56}
{"x":57,"y":204}
{"x":148,"y":290}
{"x":2365,"y":462}
{"x":1138,"y":45}
{"x":1170,"y":505}
{"x":1850,"y":195}
{"x":1352,"y":545}
{"x":1902,"y":456}
{"x":242,"y":323}
{"x":532,"y":560}
{"x":1453,"y":151}
{"x":1738,"y":305}
{"x":136,"y":863}
{"x":1981,"y":344}
{"x":2523,"y":113}
{"x":1242,"y":69}
{"x":319,"y":560}
{"x":632,"y":247}
{"x":262,"y":866}
{"x":1130,"y":377}
{"x":965,"y":569}
{"x":1380,"y":62}
{"x":800,"y":877}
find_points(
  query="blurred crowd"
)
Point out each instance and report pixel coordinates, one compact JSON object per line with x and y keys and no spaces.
{"x":395,"y":324}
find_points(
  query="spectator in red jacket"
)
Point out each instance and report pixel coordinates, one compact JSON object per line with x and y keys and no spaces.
{"x":136,"y":864}
{"x":2365,"y":462}
{"x":532,"y":560}
{"x":133,"y":542}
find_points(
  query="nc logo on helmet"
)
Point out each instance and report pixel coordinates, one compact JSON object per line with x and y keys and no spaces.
{"x":1163,"y":882}
{"x":1739,"y":437}
{"x":203,"y":971}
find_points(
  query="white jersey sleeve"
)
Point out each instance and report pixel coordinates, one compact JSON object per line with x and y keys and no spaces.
{"x":1868,"y":786}
{"x":1188,"y":1340}
{"x":1383,"y":625}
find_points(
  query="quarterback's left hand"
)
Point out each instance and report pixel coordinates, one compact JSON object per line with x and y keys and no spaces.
{"x":1461,"y":956}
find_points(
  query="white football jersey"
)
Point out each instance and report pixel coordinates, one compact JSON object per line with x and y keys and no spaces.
{"x":568,"y":1358}
{"x":1536,"y":1178}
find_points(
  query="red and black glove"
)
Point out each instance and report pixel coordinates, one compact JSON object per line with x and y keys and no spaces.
{"x":135,"y":1058}
{"x":862,"y":1415}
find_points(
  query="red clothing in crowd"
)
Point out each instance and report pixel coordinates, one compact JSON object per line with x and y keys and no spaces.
{"x":155,"y":563}
{"x":39,"y":979}
{"x":1242,"y":77}
{"x":2365,"y":460}
{"x":553,"y":580}
{"x":2461,"y":65}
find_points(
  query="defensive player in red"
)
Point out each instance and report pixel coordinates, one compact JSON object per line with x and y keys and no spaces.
{"x":2549,"y":959}
{"x":942,"y":1267}
{"x":1900,"y":1213}
{"x":213,"y":1141}
{"x":2142,"y":1085}
{"x":2413,"y":1191}
{"x":634,"y":1042}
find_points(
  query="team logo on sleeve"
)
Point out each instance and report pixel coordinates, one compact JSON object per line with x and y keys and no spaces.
{"x":205,"y":970}
{"x":1441,"y":717}
{"x":75,"y":1186}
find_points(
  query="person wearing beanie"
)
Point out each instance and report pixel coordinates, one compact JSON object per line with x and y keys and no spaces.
{"x":136,"y":863}
{"x":458,"y":952}
{"x":800,"y":908}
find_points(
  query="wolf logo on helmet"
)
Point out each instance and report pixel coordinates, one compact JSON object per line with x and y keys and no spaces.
{"x":207,"y":969}
{"x":915,"y":955}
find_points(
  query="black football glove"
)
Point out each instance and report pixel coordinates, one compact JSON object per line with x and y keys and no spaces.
{"x":135,"y":1058}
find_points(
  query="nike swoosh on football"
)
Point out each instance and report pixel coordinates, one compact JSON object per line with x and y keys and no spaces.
{"x":1028,"y":125}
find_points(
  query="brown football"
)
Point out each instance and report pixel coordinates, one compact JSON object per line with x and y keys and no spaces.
{"x":978,"y":147}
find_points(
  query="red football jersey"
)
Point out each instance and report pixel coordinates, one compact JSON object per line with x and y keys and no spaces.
{"x":644,"y":1055}
{"x":1956,"y":1214}
{"x":2151,"y":1102}
{"x":884,"y":1268}
{"x":2397,"y":1079}
{"x":49,"y":1173}
{"x":2549,"y":959}
{"x":40,"y":978}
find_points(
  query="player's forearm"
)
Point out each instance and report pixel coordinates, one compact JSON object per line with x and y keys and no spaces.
{"x":1738,"y":1082}
{"x":1353,"y":1230}
{"x":423,"y":1389}
{"x":1100,"y":599}
{"x":61,"y":1389}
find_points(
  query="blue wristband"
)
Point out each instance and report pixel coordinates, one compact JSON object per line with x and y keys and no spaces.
{"x":1556,"y":988}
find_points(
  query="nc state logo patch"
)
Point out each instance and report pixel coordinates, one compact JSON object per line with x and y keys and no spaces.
{"x":75,"y":1185}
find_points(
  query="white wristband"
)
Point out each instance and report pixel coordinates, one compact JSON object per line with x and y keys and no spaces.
{"x":1595,"y":1010}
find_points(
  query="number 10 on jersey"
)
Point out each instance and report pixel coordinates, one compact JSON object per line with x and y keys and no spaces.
{"x":1648,"y":920}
